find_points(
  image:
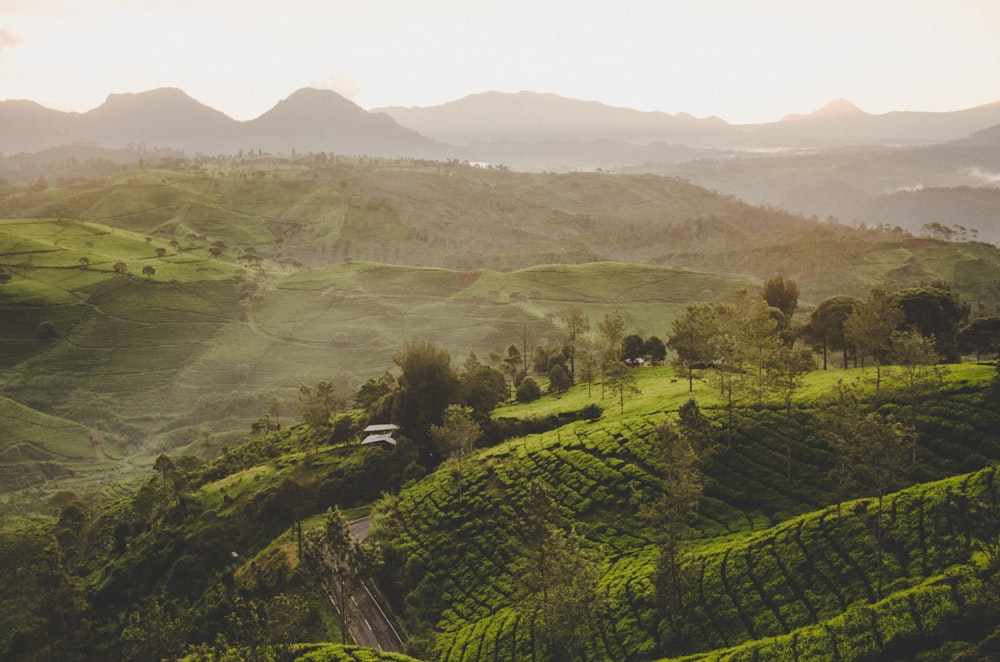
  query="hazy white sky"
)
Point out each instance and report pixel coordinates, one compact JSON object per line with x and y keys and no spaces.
{"x":742,"y":60}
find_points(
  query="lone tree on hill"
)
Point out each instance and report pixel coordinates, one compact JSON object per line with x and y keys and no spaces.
{"x":149,"y":271}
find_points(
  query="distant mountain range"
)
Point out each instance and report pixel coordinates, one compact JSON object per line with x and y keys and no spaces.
{"x":526,"y":130}
{"x":307,"y":121}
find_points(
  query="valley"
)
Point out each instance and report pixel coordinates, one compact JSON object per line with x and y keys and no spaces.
{"x":159,"y":480}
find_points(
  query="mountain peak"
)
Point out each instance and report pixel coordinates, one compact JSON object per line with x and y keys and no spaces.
{"x":836,"y":109}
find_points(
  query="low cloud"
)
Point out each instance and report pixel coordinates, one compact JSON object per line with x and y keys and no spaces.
{"x":984,"y":176}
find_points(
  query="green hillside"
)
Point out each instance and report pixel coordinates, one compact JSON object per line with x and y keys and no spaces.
{"x":785,"y":565}
{"x":774,"y":557}
{"x":241,"y":280}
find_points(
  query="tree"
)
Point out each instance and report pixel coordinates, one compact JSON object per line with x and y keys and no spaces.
{"x":611,"y":334}
{"x":426,"y":386}
{"x":935,"y":310}
{"x":784,"y":296}
{"x":621,"y":380}
{"x":84,"y":262}
{"x":556,"y":576}
{"x":759,"y":343}
{"x":919,"y":374}
{"x":341,"y":563}
{"x":785,"y":373}
{"x":372,"y":390}
{"x":121,"y":268}
{"x":826,"y":324}
{"x":46,"y":329}
{"x":317,"y":403}
{"x":873,"y":450}
{"x":870,"y":325}
{"x":670,"y":514}
{"x":559,"y":379}
{"x":577,"y":324}
{"x":981,"y":336}
{"x":454,"y":438}
{"x":528,"y":390}
{"x":482,"y":387}
{"x":275,"y":409}
{"x":632,"y":347}
{"x":693,"y":337}
{"x":654,"y":349}
{"x":149,"y":271}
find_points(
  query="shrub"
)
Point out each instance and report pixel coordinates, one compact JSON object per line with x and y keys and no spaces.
{"x":528,"y":390}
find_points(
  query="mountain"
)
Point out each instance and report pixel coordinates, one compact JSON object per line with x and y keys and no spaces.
{"x":167,"y":118}
{"x":838,"y":108}
{"x":322,"y":120}
{"x":526,"y":130}
{"x":482,"y":120}
{"x":528,"y":117}
{"x":26,"y":126}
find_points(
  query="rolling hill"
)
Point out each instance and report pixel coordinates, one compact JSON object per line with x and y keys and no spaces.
{"x":223,"y":301}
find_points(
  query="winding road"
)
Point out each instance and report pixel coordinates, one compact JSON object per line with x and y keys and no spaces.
{"x":369,"y":626}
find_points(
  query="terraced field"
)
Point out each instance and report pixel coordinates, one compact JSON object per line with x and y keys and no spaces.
{"x":782,"y":570}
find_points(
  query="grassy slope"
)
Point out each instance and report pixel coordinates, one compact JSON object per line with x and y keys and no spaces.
{"x":770,"y":564}
{"x":137,"y":356}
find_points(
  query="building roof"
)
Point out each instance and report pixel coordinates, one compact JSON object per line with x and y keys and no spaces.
{"x":379,"y":438}
{"x":382,"y":427}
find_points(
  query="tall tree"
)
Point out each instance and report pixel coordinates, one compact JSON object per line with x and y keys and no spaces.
{"x":455,"y":437}
{"x":693,"y":338}
{"x":670,"y":514}
{"x":340,"y":563}
{"x":556,"y":575}
{"x":782,"y":294}
{"x":317,"y":403}
{"x":611,"y":333}
{"x":918,"y":375}
{"x":426,"y":386}
{"x":577,"y":324}
{"x":870,"y":325}
{"x":826,"y":324}
{"x":760,"y":342}
{"x":936,"y":311}
{"x":873,"y":450}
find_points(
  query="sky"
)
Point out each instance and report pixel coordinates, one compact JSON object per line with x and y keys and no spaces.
{"x":745,"y":61}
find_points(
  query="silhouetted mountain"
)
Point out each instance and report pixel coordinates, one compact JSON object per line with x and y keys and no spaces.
{"x":322,"y":120}
{"x":165,"y":117}
{"x":28,"y":126}
{"x":836,"y":108}
{"x":528,"y":130}
{"x":528,"y":117}
{"x":308,"y":121}
{"x":986,"y":138}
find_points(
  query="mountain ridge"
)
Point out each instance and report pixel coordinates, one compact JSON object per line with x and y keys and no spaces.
{"x":472,"y":128}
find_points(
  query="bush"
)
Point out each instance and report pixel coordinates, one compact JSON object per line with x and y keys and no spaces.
{"x":528,"y":390}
